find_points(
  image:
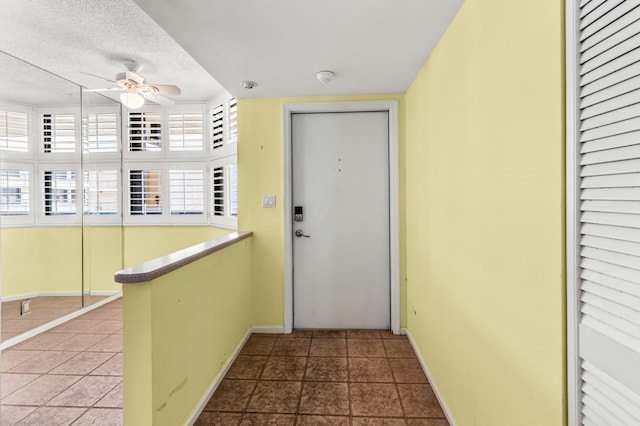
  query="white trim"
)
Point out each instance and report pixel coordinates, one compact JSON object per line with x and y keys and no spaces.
{"x":574,"y":384}
{"x":268,"y":329}
{"x":391,"y":107}
{"x":60,"y":293}
{"x":443,"y":404}
{"x":216,"y":381}
{"x":56,"y":322}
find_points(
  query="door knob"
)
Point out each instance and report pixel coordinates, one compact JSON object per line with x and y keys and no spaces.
{"x":300,"y":233}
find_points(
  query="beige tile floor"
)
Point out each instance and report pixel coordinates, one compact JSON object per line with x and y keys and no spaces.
{"x":71,"y":374}
{"x":43,"y":310}
{"x":325,"y":378}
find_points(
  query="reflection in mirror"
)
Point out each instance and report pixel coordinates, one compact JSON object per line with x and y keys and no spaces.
{"x":42,"y":198}
{"x":102,"y":233}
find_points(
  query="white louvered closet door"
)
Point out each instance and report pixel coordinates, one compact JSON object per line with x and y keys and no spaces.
{"x":609,"y":104}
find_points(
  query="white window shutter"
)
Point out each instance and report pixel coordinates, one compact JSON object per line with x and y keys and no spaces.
{"x":100,"y":192}
{"x":59,"y":133}
{"x":185,"y":131}
{"x":186,"y":191}
{"x":145,"y":192}
{"x":14,"y":192}
{"x":101,"y":132}
{"x":609,"y":166}
{"x":144,"y":131}
{"x":217,"y":127}
{"x":14,"y":131}
{"x":60,"y":192}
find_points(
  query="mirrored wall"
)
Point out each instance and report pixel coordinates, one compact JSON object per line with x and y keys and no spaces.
{"x":61,"y":235}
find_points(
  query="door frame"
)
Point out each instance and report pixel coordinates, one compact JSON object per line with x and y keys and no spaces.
{"x":572,"y":178}
{"x":389,"y":106}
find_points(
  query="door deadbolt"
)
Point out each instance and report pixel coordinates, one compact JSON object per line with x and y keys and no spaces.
{"x":300,"y":233}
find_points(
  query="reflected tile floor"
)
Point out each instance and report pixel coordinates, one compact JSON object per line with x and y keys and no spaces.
{"x":43,"y":310}
{"x":69,"y":375}
{"x":325,"y":377}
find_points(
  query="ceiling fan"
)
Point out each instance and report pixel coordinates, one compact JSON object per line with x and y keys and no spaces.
{"x":136,"y":90}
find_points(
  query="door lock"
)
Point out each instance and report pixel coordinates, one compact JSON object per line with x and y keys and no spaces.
{"x":300,"y":233}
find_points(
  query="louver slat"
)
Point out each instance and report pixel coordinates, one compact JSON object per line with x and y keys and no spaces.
{"x":614,"y":27}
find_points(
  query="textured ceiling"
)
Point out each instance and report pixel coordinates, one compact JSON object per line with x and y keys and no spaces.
{"x":373,"y":46}
{"x":69,"y":37}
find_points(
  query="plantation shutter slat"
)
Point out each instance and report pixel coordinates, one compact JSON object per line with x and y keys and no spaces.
{"x":609,"y":254}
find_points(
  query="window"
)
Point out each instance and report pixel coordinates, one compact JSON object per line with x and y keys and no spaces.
{"x":100,"y":192}
{"x":185,"y":131}
{"x":14,"y":131}
{"x":58,"y":133}
{"x":145,"y":131}
{"x":217,"y":127}
{"x":14,"y":192}
{"x":145,"y":192}
{"x":186,"y":192}
{"x":223,"y":171}
{"x":233,"y":190}
{"x":233,"y":120}
{"x":101,"y":132}
{"x":59,"y":192}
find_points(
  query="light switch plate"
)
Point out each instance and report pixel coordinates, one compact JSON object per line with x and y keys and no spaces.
{"x":268,"y":201}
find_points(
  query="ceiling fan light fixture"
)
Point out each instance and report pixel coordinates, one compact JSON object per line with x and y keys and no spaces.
{"x":131,"y":99}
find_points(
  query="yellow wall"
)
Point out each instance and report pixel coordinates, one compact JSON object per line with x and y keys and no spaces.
{"x":50,"y":260}
{"x":485,"y":207}
{"x":260,"y":171}
{"x":41,"y":260}
{"x":180,"y":331}
{"x":144,"y":243}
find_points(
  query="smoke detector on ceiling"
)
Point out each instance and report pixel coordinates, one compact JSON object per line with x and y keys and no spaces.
{"x":249,"y":84}
{"x":325,"y":76}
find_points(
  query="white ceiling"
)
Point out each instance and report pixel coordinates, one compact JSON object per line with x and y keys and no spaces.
{"x":373,"y":46}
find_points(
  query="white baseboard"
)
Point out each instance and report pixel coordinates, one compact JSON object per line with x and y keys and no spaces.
{"x":441,"y":400}
{"x":61,"y":293}
{"x":268,"y":329}
{"x":56,"y":322}
{"x":217,"y":380}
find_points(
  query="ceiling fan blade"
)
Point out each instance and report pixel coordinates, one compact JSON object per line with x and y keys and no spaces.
{"x":158,"y":99}
{"x":165,"y":89}
{"x":98,"y":76}
{"x":134,"y":77}
{"x":105,"y":90}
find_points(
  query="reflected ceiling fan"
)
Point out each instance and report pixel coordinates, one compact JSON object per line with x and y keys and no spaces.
{"x":136,"y":90}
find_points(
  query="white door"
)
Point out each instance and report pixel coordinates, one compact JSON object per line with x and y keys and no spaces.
{"x":340,"y":173}
{"x":607,"y":296}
